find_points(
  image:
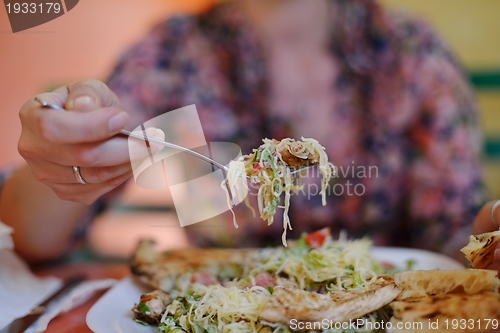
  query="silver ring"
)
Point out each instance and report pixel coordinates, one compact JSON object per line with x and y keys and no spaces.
{"x":78,"y":175}
{"x":492,"y":213}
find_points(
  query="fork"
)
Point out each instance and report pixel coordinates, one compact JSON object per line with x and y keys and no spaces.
{"x":163,"y":143}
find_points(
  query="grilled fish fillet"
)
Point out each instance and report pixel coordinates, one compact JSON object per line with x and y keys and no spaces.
{"x":287,"y":304}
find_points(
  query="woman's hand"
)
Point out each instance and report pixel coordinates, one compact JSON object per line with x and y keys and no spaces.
{"x":483,"y":223}
{"x":52,"y":142}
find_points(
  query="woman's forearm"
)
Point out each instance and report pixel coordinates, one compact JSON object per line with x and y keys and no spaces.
{"x":43,"y":224}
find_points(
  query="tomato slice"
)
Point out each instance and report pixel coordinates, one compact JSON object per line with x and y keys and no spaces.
{"x":317,"y":238}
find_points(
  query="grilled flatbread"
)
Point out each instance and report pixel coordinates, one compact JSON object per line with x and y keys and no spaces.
{"x":436,"y":301}
{"x":436,"y":313}
{"x":480,"y":250}
{"x":287,"y":304}
{"x":434,"y":282}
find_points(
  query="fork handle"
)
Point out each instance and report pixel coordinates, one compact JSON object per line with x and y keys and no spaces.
{"x":177,"y":147}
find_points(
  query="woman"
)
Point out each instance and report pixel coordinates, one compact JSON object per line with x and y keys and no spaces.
{"x":376,"y":89}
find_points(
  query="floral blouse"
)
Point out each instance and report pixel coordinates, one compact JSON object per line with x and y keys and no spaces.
{"x":404,"y":129}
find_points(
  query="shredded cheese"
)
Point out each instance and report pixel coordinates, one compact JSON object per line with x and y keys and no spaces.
{"x":223,"y":309}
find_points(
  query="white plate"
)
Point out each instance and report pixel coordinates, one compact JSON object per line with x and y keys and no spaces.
{"x":111,"y":313}
{"x":424,"y":259}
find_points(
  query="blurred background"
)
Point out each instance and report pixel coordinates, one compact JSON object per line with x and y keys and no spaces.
{"x":87,"y":41}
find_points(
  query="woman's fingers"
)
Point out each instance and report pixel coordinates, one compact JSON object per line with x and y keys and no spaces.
{"x":483,"y":222}
{"x":83,"y":134}
{"x":487,"y":221}
{"x":89,"y":95}
{"x":60,"y":127}
{"x":88,"y":193}
{"x":115,"y":151}
{"x":48,"y":173}
{"x":99,"y":175}
{"x":104,"y":166}
{"x":99,"y":117}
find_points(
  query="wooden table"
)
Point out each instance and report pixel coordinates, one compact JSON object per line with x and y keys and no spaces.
{"x":74,"y":320}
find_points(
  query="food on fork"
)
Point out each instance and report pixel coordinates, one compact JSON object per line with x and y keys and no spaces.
{"x":270,"y":167}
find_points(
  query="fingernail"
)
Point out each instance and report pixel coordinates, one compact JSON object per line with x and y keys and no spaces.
{"x":117,"y":122}
{"x":496,"y":256}
{"x":157,"y":134}
{"x":160,"y":134}
{"x":82,"y":103}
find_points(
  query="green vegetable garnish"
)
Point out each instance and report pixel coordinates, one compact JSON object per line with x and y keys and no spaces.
{"x":272,"y":206}
{"x":301,"y":248}
{"x":143,"y":308}
{"x":142,"y":322}
{"x":357,"y":279}
{"x":315,"y":260}
{"x":410,"y":264}
{"x":258,"y":154}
